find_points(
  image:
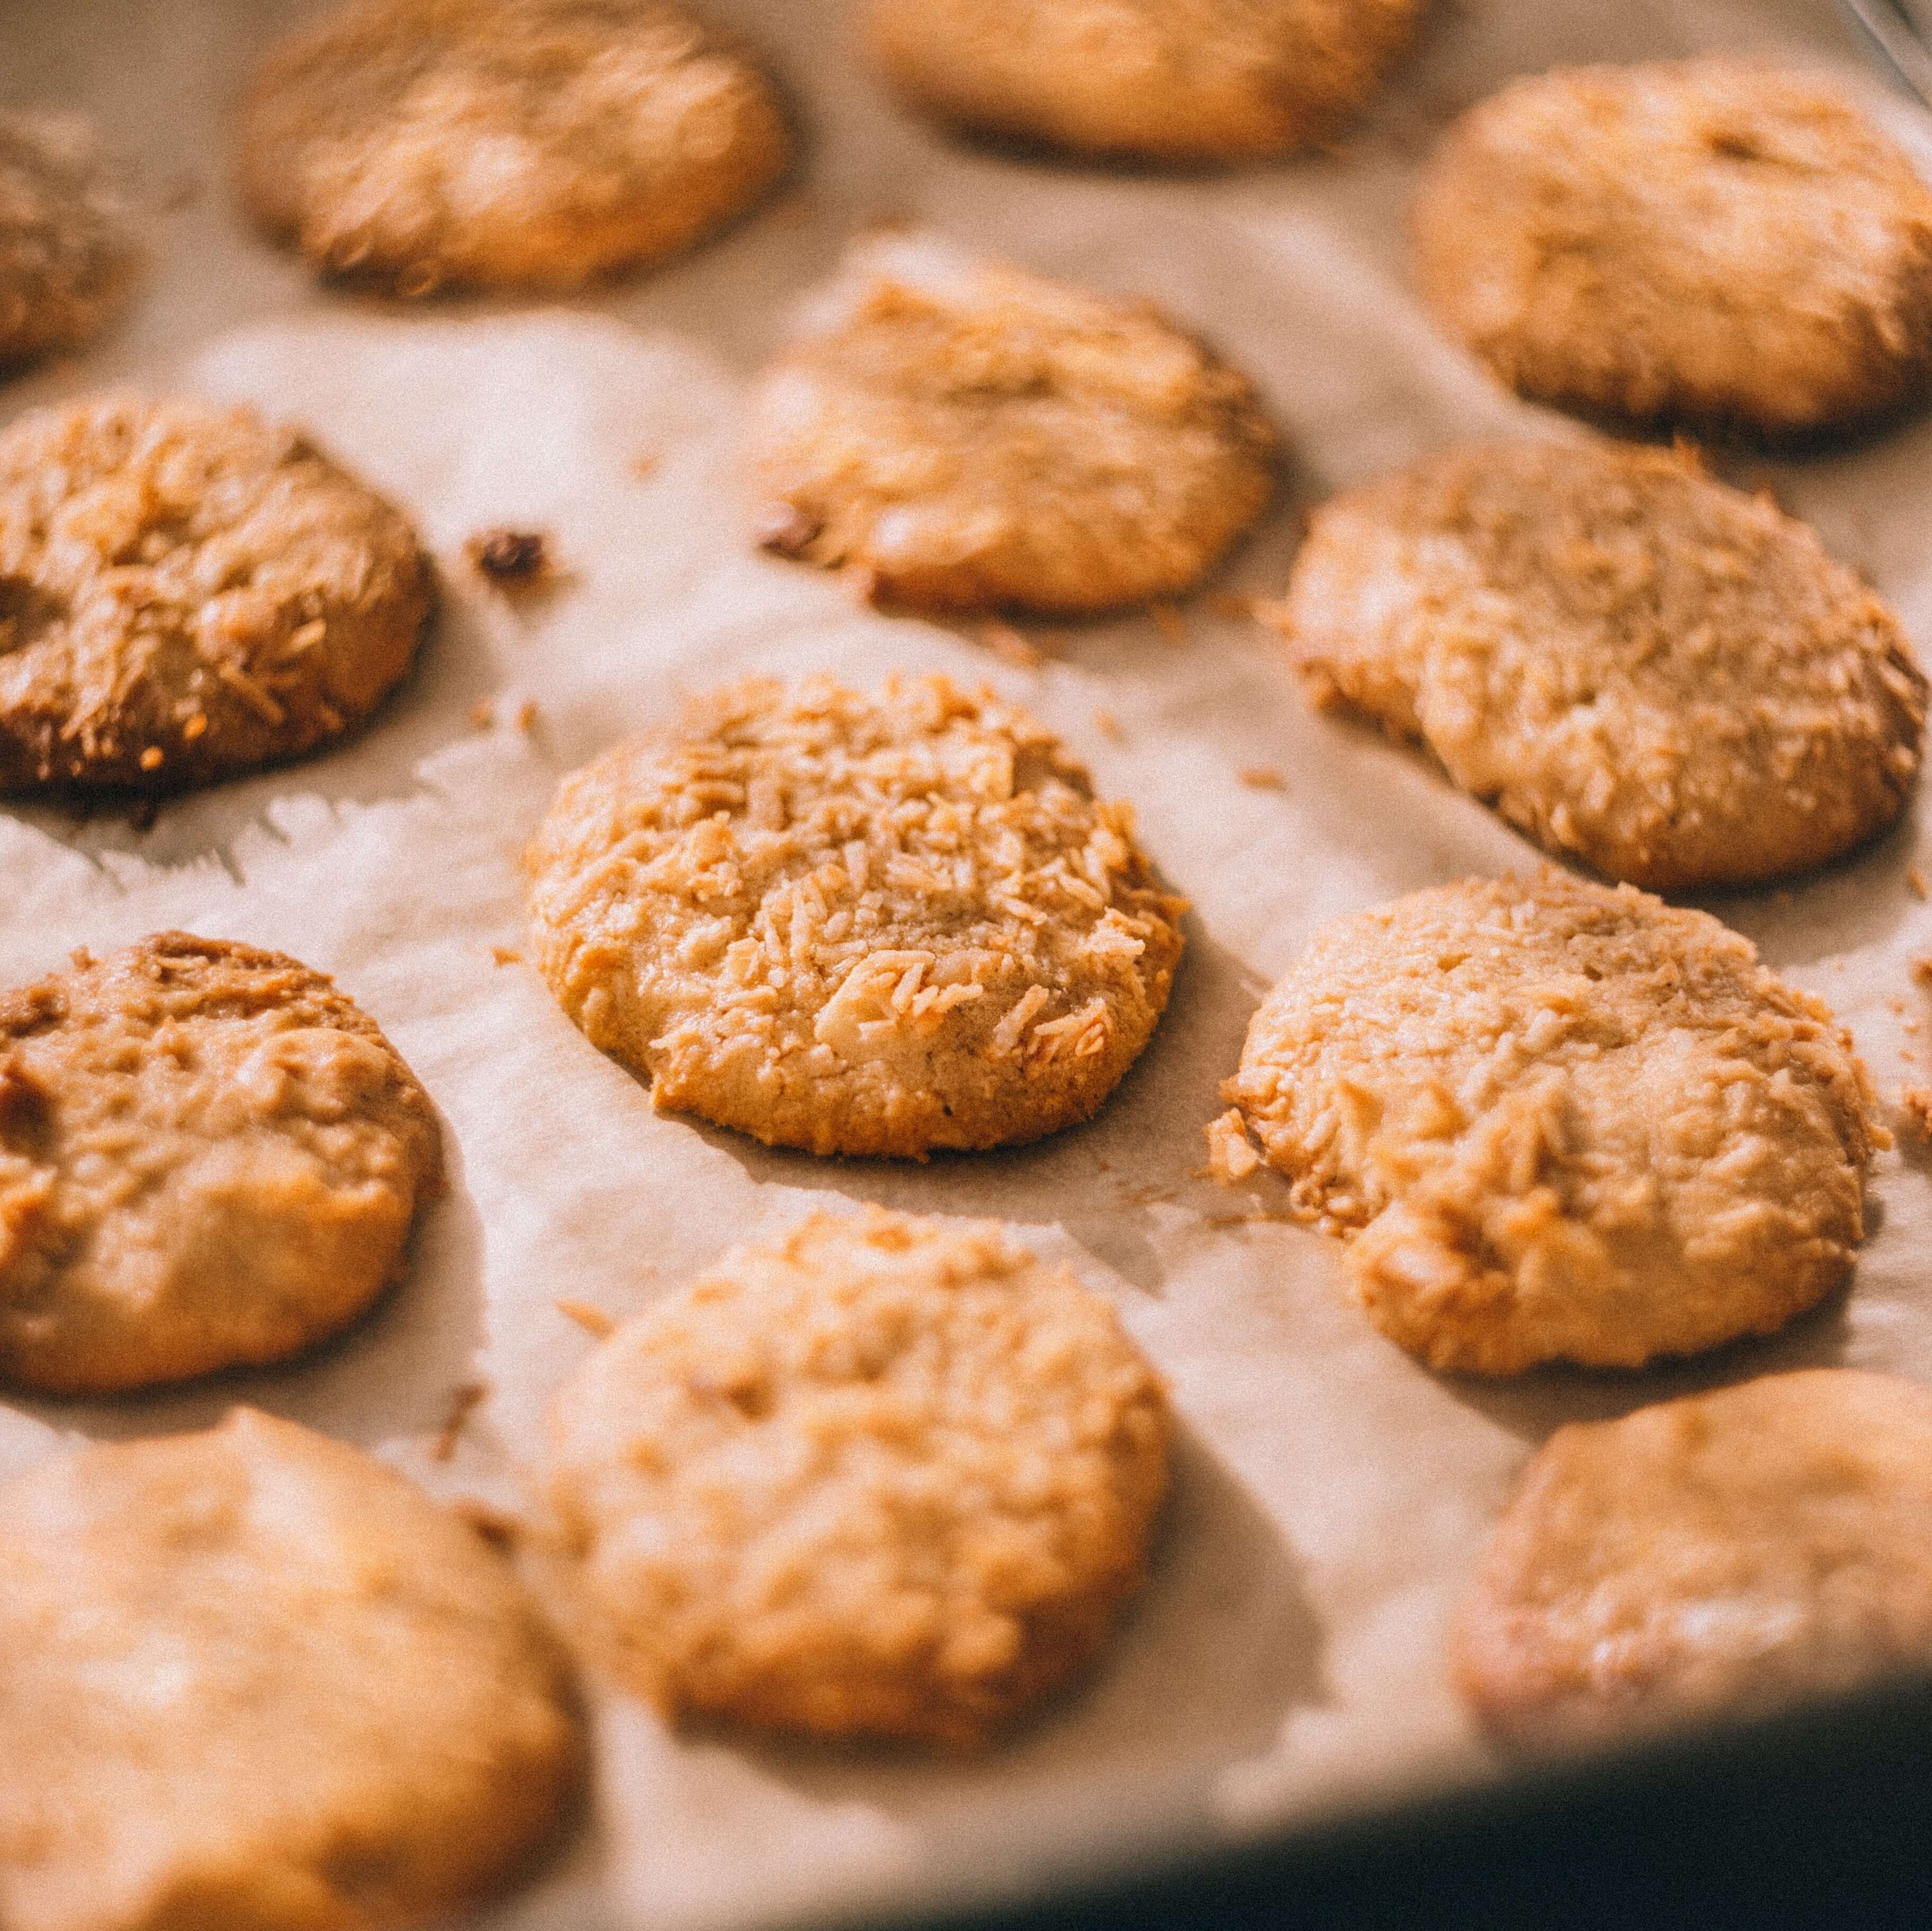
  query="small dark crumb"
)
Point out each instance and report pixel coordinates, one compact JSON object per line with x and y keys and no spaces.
{"x":526,"y":715}
{"x":644,"y":466}
{"x":1262,"y":777}
{"x":508,"y":556}
{"x":504,"y":955}
{"x":497,"y":1528}
{"x":1921,"y":968}
{"x":784,"y":527}
{"x":462,"y":1404}
{"x":482,"y":714}
{"x":1108,"y":726}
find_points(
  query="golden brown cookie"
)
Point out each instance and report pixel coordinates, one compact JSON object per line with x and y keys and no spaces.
{"x":256,"y":1681}
{"x":1188,"y":81}
{"x":963,"y":436}
{"x":207,"y":1156}
{"x":886,"y":1477}
{"x":1727,"y":1552}
{"x":855,"y":924}
{"x":1561,"y":1121}
{"x":188,"y":592}
{"x":1635,"y":664}
{"x":505,"y":143}
{"x":1719,"y":241}
{"x":67,"y":253}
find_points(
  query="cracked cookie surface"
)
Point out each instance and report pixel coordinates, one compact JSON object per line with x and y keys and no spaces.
{"x":1185,"y":81}
{"x":961,"y":435}
{"x":208,"y":1157}
{"x":887,"y":1477}
{"x":1560,"y":1121}
{"x":256,"y":1678}
{"x":186,"y":593}
{"x":1634,"y":664}
{"x":856,"y":924}
{"x":1726,"y":1551}
{"x":68,"y":254}
{"x":1719,"y":241}
{"x":505,"y":143}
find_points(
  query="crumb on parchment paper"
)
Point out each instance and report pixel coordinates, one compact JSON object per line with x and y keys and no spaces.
{"x":1231,"y":1155}
{"x":593,"y":1320}
{"x":1262,"y":777}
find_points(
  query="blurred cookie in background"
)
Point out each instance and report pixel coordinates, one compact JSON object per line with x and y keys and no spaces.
{"x":962,"y":436}
{"x":209,"y":1157}
{"x":188,"y":592}
{"x":1198,"y":81}
{"x":1721,"y":242}
{"x":1640,"y":667}
{"x":67,"y":251}
{"x":428,"y":144}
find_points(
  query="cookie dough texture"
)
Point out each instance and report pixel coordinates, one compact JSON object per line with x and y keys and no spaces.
{"x":961,"y":435}
{"x":1187,"y":81}
{"x":255,"y":1680}
{"x":68,"y":254}
{"x":1560,"y":1121}
{"x":886,"y":1477}
{"x":188,"y":592}
{"x":1637,"y":666}
{"x":1728,"y":1551}
{"x":208,"y":1157}
{"x":855,"y":924}
{"x":1720,"y":242}
{"x":505,"y":143}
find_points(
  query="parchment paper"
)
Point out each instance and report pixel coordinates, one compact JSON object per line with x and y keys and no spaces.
{"x":1285,"y":1663}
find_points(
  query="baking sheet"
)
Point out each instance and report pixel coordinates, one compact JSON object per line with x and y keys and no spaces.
{"x":1284,"y":1663}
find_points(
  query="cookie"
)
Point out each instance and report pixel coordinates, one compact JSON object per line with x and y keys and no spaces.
{"x":1561,"y":1121}
{"x":855,"y":924}
{"x":1726,"y":1552}
{"x":1211,"y":81}
{"x":426,"y":144}
{"x":67,"y":255}
{"x":963,"y":437}
{"x":254,"y":1678}
{"x":188,"y":592}
{"x":886,"y":1477}
{"x":1636,"y":665}
{"x":1718,"y":241}
{"x":208,"y":1157}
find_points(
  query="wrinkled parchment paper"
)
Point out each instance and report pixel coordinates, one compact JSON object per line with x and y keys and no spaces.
{"x":1284,"y":1663}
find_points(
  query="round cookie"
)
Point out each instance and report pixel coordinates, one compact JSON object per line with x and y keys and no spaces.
{"x":963,"y":436}
{"x":886,"y":1477}
{"x":1202,"y":81}
{"x":254,"y":1678}
{"x":1728,"y":1551}
{"x":1717,"y":240}
{"x":855,"y":924}
{"x":188,"y":592}
{"x":1561,"y":1121}
{"x":1634,"y":664}
{"x":67,"y":254}
{"x":208,"y":1157}
{"x":505,"y":143}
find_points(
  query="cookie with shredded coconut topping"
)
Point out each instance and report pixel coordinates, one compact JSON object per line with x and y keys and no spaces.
{"x":428,"y":144}
{"x":1721,"y":241}
{"x":188,"y":592}
{"x":209,"y":1157}
{"x":1201,"y":81}
{"x":1728,"y":1551}
{"x":886,"y":1477}
{"x":871,"y":924}
{"x":67,"y":255}
{"x":255,"y":1678}
{"x":1561,"y":1121}
{"x":1661,"y":676}
{"x":960,"y":436}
